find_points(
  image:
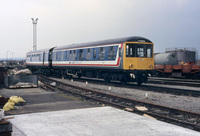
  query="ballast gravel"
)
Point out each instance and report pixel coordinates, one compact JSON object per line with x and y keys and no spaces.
{"x":187,"y":103}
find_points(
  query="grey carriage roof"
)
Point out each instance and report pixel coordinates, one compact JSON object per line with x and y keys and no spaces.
{"x":103,"y":42}
{"x":41,"y":50}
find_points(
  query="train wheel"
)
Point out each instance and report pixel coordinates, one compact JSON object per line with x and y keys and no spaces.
{"x":139,"y":79}
{"x":107,"y":80}
{"x":139,"y":82}
{"x":79,"y":75}
{"x":124,"y":81}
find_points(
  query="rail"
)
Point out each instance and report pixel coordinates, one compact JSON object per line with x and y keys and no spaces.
{"x":172,"y":115}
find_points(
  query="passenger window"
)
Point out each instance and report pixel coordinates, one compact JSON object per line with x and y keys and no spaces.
{"x":111,"y":53}
{"x":95,"y":53}
{"x":39,"y":57}
{"x":74,"y":55}
{"x":66,"y":57}
{"x":45,"y":56}
{"x":88,"y":54}
{"x":81,"y":54}
{"x":57,"y":56}
{"x":70,"y":55}
{"x":53,"y":56}
{"x":62,"y":55}
{"x":101,"y":53}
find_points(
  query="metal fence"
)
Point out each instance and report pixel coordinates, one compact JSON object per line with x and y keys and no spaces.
{"x":19,"y":81}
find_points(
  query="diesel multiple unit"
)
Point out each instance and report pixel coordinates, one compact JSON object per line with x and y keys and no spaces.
{"x":128,"y":59}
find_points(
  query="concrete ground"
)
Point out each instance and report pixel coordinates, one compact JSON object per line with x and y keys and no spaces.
{"x":40,"y":100}
{"x":99,"y":121}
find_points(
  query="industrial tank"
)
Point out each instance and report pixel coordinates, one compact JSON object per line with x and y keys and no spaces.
{"x":166,"y":59}
{"x":184,"y":54}
{"x":176,"y":56}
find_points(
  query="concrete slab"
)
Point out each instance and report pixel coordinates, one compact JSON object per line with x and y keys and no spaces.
{"x":22,"y":91}
{"x":101,"y":121}
{"x":51,"y":106}
{"x":40,"y":100}
{"x":16,"y":131}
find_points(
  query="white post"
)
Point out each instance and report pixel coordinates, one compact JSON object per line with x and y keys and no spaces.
{"x":34,"y":34}
{"x":7,"y":55}
{"x":12,"y":54}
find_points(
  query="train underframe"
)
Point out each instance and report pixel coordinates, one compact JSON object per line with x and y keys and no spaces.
{"x":124,"y":76}
{"x":179,"y":74}
{"x":180,"y":71}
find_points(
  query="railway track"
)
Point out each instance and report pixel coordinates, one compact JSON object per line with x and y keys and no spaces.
{"x":175,"y":116}
{"x":145,"y":87}
{"x":173,"y":81}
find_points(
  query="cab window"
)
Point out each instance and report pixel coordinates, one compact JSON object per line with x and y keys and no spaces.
{"x":139,"y":50}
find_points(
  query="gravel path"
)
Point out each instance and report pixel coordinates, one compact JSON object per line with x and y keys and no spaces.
{"x":176,"y":101}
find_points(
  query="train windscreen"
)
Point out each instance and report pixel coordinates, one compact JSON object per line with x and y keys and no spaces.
{"x":139,"y":50}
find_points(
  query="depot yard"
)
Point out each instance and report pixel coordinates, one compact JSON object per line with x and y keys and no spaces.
{"x":46,"y":109}
{"x":40,"y":100}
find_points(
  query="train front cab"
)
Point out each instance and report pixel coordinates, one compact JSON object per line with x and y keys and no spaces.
{"x":138,"y":60}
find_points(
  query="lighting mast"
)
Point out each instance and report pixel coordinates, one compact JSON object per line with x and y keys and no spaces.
{"x":34,"y":34}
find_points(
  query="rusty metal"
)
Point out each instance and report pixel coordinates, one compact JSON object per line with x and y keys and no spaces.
{"x":185,"y":70}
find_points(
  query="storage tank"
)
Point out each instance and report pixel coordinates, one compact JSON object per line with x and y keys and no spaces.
{"x":166,"y":58}
{"x":184,"y":54}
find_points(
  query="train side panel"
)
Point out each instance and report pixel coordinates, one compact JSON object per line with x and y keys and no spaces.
{"x":105,"y":62}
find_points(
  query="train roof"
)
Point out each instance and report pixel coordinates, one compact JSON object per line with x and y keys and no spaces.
{"x":104,"y":42}
{"x":41,"y":50}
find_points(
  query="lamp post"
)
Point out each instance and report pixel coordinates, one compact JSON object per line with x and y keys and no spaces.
{"x":12,"y":54}
{"x":34,"y":34}
{"x":7,"y":55}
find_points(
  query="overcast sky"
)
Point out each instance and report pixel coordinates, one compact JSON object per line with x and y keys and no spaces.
{"x":167,"y":23}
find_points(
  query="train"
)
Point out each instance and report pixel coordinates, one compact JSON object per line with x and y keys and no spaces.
{"x":128,"y":59}
{"x":177,"y":62}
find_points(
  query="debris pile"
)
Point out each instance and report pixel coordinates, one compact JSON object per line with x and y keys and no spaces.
{"x":11,"y":103}
{"x":23,"y":71}
{"x":21,"y":78}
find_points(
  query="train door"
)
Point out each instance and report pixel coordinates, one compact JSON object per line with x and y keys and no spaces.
{"x":43,"y":59}
{"x":50,"y":57}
